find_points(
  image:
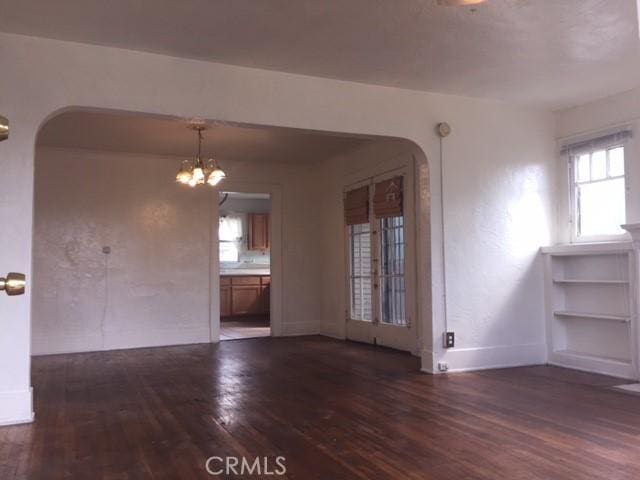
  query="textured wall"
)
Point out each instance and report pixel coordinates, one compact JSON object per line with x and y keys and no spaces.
{"x":47,"y":76}
{"x":498,"y":191}
{"x":153,"y":289}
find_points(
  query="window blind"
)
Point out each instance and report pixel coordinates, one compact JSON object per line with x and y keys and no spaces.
{"x":598,"y":143}
{"x":387,"y":198}
{"x":356,"y":206}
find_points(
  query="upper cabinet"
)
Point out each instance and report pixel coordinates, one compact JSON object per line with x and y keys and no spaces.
{"x":258,"y":235}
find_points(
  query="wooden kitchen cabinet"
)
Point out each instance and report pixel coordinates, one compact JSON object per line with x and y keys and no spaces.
{"x":225,"y":301}
{"x":244,"y":295}
{"x":245,"y":300}
{"x":265,"y":301}
{"x":258,"y":231}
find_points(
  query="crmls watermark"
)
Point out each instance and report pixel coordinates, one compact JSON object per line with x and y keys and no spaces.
{"x":246,"y":466}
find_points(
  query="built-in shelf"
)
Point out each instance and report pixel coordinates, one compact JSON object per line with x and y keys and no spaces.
{"x":596,"y":316}
{"x":581,"y":282}
{"x":590,"y":282}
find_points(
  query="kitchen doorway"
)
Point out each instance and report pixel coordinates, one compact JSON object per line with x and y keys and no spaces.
{"x":244,"y":242}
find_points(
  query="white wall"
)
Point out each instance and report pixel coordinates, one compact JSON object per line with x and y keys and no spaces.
{"x":154,"y":290}
{"x":40,"y":77}
{"x":498,"y":212}
{"x":591,"y":119}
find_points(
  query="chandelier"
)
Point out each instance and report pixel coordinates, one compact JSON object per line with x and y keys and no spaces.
{"x":196,"y":172}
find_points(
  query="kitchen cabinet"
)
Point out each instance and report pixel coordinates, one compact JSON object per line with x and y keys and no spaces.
{"x":225,"y":296}
{"x":225,"y":301}
{"x":244,"y":295}
{"x":258,"y":231}
{"x":245,"y":300}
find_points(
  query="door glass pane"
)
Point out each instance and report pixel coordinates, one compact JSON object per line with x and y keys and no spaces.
{"x":598,"y":165}
{"x":360,"y":265}
{"x":392,"y":281}
{"x":616,"y":162}
{"x":601,"y":207}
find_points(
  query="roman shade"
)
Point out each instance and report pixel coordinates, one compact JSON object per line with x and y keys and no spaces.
{"x":387,"y":198}
{"x":598,"y":143}
{"x":356,"y":206}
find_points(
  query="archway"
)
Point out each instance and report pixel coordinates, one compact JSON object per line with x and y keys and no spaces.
{"x":85,"y":243}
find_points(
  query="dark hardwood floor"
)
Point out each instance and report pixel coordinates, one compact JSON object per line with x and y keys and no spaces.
{"x":335,"y":410}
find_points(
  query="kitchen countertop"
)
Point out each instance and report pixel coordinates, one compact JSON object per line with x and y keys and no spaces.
{"x":238,"y":272}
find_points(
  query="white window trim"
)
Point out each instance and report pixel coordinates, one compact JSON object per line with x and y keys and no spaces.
{"x":573,"y":200}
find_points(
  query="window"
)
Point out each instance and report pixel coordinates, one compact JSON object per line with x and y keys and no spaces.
{"x":230,"y":238}
{"x":598,"y":192}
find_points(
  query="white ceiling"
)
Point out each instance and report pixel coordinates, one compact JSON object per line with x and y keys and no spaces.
{"x":552,"y":53}
{"x":172,"y":137}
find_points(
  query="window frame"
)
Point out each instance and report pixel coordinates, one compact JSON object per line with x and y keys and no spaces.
{"x":574,"y":213}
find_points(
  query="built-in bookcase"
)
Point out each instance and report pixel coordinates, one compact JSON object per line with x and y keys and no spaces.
{"x":590,"y":299}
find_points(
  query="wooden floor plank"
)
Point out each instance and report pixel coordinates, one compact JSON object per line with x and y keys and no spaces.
{"x":335,"y":410}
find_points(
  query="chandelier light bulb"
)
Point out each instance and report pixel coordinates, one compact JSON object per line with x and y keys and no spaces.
{"x":216,"y":176}
{"x":184,"y":175}
{"x":198,"y":175}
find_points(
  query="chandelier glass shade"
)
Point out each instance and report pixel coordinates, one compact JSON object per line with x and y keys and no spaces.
{"x":196,"y":172}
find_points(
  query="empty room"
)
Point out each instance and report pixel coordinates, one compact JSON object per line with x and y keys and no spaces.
{"x":344,"y":239}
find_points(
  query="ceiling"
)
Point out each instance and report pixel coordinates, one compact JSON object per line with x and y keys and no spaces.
{"x":172,"y":137}
{"x":551,"y":53}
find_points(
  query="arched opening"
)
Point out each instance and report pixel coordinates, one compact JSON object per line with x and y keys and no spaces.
{"x":124,"y":257}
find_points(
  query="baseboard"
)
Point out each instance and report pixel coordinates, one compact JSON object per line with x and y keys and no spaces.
{"x":484,"y":358}
{"x":586,"y":363}
{"x":16,"y":407}
{"x":117,"y":340}
{"x":335,"y":336}
{"x":428,"y":363}
{"x":335,"y":332}
{"x":295,"y":329}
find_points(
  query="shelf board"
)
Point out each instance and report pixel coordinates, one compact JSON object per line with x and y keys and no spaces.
{"x":589,"y":282}
{"x":602,"y":248}
{"x":596,"y":316}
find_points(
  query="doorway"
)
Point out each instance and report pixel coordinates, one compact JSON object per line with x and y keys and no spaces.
{"x":381,"y":272}
{"x":244,"y":244}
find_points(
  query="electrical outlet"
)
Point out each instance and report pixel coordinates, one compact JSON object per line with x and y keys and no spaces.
{"x":449,"y":339}
{"x":443,"y":366}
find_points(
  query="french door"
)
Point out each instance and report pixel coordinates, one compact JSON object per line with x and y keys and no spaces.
{"x":381,"y":266}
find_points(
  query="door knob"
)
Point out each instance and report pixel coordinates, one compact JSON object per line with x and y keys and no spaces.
{"x":13,"y":284}
{"x":4,"y":128}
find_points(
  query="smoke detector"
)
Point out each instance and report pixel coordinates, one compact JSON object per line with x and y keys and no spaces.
{"x":443,"y":129}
